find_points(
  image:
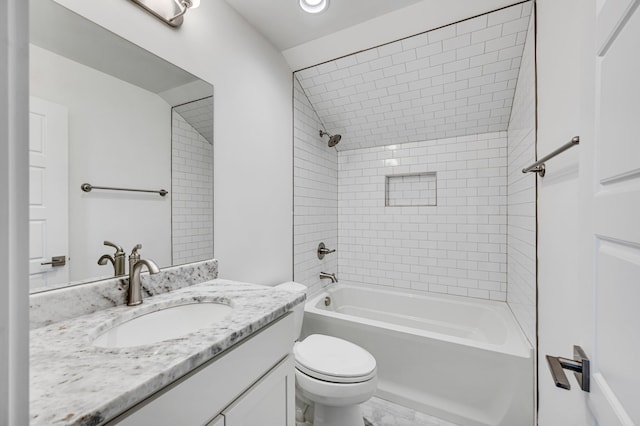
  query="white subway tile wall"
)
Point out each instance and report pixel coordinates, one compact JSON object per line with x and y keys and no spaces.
{"x":419,"y":189}
{"x":457,"y":247}
{"x":439,"y":102}
{"x":521,"y":231}
{"x":191,"y":193}
{"x":453,"y":81}
{"x":315,"y":216}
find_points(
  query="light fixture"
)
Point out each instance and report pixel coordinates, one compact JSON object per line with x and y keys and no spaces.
{"x":170,"y":12}
{"x":314,"y":6}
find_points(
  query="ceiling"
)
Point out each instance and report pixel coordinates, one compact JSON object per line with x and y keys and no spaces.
{"x":454,"y":81}
{"x":285,"y":25}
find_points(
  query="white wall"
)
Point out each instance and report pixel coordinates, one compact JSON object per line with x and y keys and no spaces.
{"x":315,"y":194}
{"x":14,"y":214}
{"x":565,"y":32}
{"x":521,"y":198}
{"x":456,"y":247}
{"x":119,"y":135}
{"x":192,"y":192}
{"x":253,"y":130}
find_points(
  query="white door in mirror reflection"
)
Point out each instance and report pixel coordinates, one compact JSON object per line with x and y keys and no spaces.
{"x":48,"y":192}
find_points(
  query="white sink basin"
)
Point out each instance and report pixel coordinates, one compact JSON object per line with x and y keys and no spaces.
{"x":164,"y":324}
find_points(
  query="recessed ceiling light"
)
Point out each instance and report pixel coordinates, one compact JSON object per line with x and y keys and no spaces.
{"x":314,"y":6}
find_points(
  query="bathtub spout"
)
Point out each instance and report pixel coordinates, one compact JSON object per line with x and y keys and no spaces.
{"x":332,"y":277}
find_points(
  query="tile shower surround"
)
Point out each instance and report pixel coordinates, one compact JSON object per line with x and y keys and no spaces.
{"x":489,"y":279}
{"x":315,"y":215}
{"x":457,"y":247}
{"x":456,"y":80}
{"x":521,"y":197}
{"x":191,"y":189}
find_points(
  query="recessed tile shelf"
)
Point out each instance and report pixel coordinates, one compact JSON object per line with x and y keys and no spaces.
{"x":407,"y":190}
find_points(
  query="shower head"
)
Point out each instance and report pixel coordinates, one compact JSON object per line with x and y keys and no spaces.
{"x":333,"y":139}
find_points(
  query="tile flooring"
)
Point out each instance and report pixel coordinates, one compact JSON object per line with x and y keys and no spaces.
{"x":378,"y":412}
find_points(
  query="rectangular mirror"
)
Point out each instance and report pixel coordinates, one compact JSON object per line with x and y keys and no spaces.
{"x":108,"y":113}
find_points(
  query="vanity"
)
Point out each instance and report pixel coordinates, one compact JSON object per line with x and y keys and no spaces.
{"x":112,"y":138}
{"x":237,"y":370}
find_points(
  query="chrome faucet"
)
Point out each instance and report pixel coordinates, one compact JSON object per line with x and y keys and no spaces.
{"x":332,"y":277}
{"x":117,"y":260}
{"x":135,"y":286}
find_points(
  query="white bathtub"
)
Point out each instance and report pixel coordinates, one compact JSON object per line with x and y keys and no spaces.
{"x":460,"y":359}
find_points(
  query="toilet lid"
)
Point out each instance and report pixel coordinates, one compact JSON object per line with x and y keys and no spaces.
{"x":334,"y":360}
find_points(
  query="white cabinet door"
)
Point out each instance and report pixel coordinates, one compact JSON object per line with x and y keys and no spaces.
{"x":270,"y":402}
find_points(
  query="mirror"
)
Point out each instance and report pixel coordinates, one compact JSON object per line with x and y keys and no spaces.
{"x":110,"y":114}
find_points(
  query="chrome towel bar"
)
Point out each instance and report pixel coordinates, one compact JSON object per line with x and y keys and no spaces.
{"x":538,"y":166}
{"x":87,"y":187}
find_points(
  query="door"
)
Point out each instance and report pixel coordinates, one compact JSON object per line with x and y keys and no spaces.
{"x":600,"y":307}
{"x":615,"y":390}
{"x":48,"y":193}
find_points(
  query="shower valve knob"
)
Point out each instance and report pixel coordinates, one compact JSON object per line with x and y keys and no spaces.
{"x":322,"y":250}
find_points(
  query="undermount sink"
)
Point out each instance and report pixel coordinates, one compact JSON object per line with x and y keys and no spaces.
{"x":164,"y":324}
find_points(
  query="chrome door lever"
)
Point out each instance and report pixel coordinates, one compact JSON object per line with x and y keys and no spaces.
{"x":580,"y":366}
{"x":56,"y":261}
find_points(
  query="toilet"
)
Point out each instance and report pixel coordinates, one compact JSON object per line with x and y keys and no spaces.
{"x":333,"y":376}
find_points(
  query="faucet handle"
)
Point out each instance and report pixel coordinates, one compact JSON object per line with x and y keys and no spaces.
{"x":119,"y":250}
{"x":134,"y":256}
{"x":134,"y":250}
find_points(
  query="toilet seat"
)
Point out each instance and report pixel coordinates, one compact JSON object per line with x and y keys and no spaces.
{"x":334,"y":360}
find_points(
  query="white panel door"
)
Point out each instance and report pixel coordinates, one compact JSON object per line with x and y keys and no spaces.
{"x":48,"y":192}
{"x":615,"y":393}
{"x":598,"y":310}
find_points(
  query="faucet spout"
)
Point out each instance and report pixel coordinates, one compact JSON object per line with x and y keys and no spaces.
{"x":104,"y":258}
{"x":135,"y":286}
{"x":332,"y":277}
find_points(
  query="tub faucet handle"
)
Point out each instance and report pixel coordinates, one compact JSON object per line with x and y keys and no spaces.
{"x":322,"y":250}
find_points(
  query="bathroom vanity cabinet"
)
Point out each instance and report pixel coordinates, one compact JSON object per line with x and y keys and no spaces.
{"x":249,"y":384}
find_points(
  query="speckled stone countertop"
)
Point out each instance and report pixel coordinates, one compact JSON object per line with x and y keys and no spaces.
{"x":76,"y":383}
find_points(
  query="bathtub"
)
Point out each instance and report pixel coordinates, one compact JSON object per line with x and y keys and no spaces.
{"x":463,"y":360}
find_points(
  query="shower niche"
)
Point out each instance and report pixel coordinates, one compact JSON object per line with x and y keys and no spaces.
{"x":418,"y":189}
{"x":424,"y":190}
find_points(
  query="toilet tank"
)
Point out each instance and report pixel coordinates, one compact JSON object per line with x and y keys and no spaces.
{"x":298,"y":310}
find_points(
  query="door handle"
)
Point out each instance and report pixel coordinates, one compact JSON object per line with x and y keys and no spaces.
{"x":580,"y":366}
{"x":56,"y":261}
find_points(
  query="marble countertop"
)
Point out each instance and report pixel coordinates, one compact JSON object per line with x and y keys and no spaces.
{"x":73,"y":382}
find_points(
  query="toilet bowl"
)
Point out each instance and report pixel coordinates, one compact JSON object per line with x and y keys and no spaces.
{"x":333,"y":375}
{"x":336,"y":376}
